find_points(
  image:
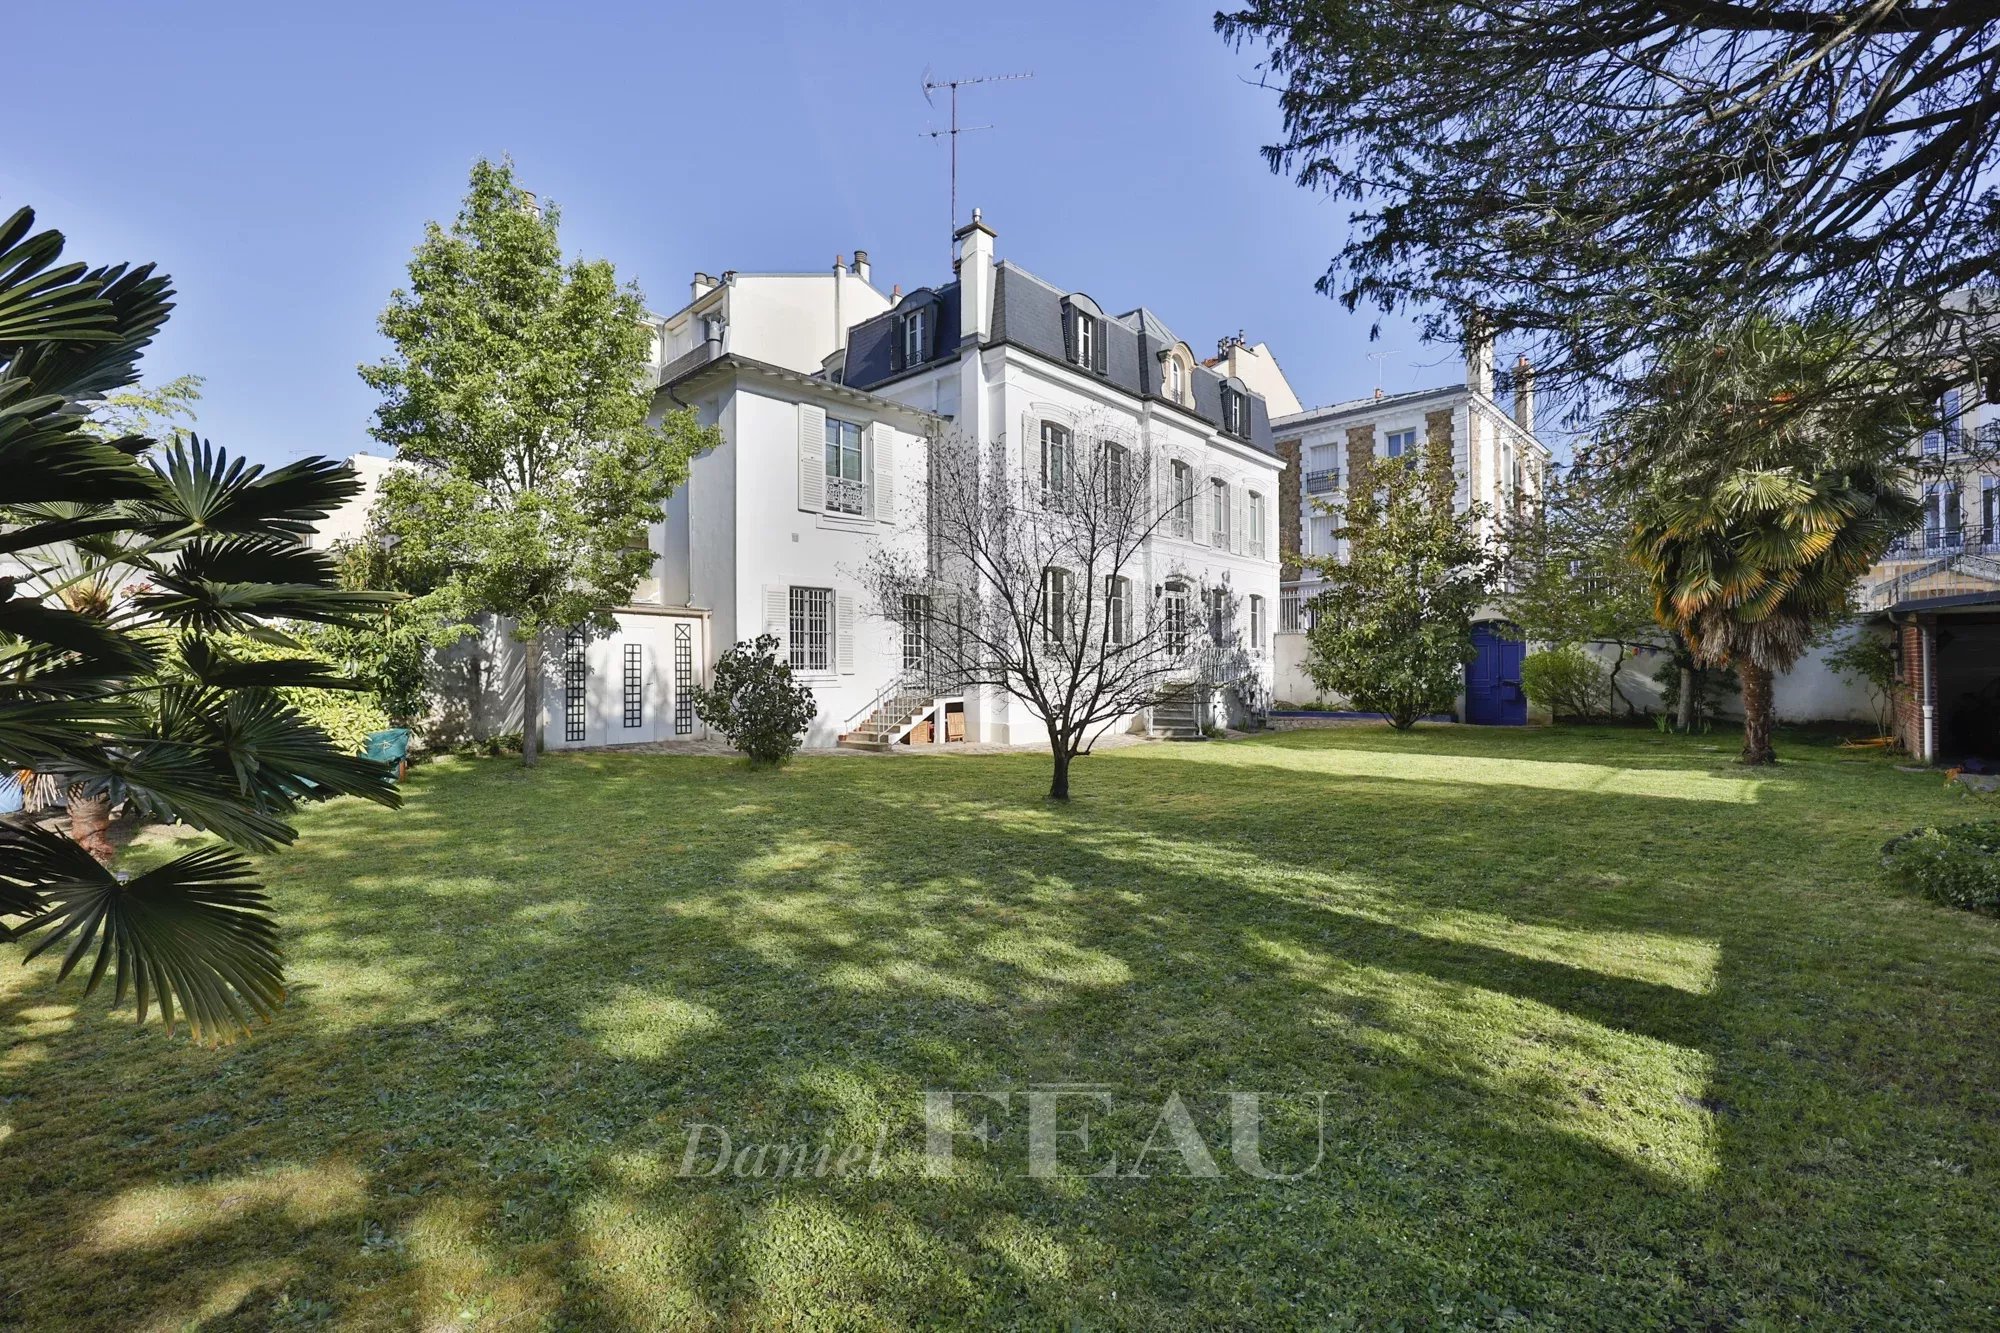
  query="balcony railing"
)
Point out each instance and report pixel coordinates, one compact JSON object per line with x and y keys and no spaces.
{"x":1978,"y":538}
{"x":845,"y":496}
{"x":1319,"y":483}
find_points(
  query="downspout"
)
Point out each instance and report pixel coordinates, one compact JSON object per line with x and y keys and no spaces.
{"x":1924,"y":684}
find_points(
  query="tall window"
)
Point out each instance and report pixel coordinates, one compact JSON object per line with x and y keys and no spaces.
{"x":916,"y":625}
{"x":1989,"y":509}
{"x":1175,"y":612}
{"x":1218,"y":517}
{"x":1254,"y":538}
{"x":914,"y":345}
{"x":812,"y":629}
{"x":1218,"y":613}
{"x":1058,"y":460}
{"x":1183,"y":482}
{"x":1086,"y":339}
{"x":1176,"y":379}
{"x":1319,"y":535}
{"x":1256,"y":623}
{"x":1941,"y":515}
{"x":845,"y":491}
{"x":1402,"y":442}
{"x":1056,"y":584}
{"x":1117,"y":473}
{"x":1118,"y":608}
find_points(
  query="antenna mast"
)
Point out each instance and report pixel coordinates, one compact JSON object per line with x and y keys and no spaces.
{"x":932,"y":85}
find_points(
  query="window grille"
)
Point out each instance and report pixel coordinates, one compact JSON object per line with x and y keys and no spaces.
{"x":683,"y":680}
{"x":575,"y":678}
{"x":812,"y":629}
{"x":635,"y":685}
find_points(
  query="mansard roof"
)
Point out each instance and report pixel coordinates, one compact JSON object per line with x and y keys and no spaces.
{"x":1028,"y":314}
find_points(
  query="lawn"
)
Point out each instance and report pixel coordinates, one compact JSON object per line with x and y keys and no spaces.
{"x":1611,"y":1033}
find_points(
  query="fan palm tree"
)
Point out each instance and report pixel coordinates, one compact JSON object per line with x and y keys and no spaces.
{"x":122,"y":565}
{"x":1768,"y":472}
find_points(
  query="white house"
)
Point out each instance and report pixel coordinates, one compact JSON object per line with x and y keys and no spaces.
{"x":826,"y":393}
{"x":1497,"y":458}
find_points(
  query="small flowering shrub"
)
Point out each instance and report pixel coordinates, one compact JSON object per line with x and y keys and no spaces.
{"x":756,"y":703}
{"x":1957,"y":865}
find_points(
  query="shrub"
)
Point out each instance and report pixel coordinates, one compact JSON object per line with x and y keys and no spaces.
{"x":1567,"y":681}
{"x":1958,"y":865}
{"x":756,"y":703}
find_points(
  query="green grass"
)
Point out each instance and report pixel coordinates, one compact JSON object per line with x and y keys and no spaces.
{"x":1612,"y":1034}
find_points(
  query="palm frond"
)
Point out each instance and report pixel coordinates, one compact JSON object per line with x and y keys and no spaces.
{"x":193,"y":936}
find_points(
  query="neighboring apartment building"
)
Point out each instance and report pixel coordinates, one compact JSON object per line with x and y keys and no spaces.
{"x":1938,"y":589}
{"x":1499,"y":462}
{"x":826,"y":393}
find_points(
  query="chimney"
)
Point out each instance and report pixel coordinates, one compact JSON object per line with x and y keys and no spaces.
{"x":702,"y":283}
{"x":840,"y":263}
{"x":1478,"y":356}
{"x":1378,"y":393}
{"x":861,"y":265}
{"x":975,"y":278}
{"x":1524,"y":394}
{"x":839,"y":324}
{"x":895,"y":293}
{"x":728,"y":277}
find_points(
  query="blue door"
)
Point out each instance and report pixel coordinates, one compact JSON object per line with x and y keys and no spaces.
{"x":1493,"y":695}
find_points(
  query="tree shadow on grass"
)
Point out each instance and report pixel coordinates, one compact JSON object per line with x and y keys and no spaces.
{"x":510,"y":1014}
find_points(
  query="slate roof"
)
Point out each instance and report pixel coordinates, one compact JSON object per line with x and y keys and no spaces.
{"x":1027,"y":313}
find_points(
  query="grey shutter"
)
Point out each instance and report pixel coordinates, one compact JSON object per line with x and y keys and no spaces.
{"x":934,"y":332}
{"x":812,"y":458}
{"x":1069,"y":331}
{"x":1100,"y":347}
{"x":896,"y":342}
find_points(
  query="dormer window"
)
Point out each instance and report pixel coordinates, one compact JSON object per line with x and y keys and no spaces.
{"x":914,"y":345}
{"x":1084,"y":333}
{"x":1176,"y":379}
{"x":1235,"y":410}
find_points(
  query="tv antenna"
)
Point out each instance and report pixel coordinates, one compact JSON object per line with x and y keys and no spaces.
{"x":932,"y":85}
{"x":1378,"y":357}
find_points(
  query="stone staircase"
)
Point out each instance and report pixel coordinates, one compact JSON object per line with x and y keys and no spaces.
{"x":1179,"y":715}
{"x":895,"y":712}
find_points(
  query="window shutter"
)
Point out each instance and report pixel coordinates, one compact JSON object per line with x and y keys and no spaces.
{"x":843,"y":634}
{"x":1201,"y":523}
{"x":812,"y":458}
{"x":934,"y":331}
{"x":882,"y":472}
{"x":1069,"y":331}
{"x":896,"y":335}
{"x":778,"y":617}
{"x":1100,"y":347}
{"x":1239,"y":520}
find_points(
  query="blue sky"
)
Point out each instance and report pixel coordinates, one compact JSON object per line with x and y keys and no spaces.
{"x":281,"y":164}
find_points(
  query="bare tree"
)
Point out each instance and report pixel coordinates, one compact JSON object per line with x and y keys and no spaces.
{"x":1046,"y":582}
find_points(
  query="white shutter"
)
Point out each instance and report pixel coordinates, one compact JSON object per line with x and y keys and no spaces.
{"x":843,"y":632}
{"x":1031,"y":457}
{"x":812,"y":458}
{"x":778,"y":617}
{"x":882,"y":472}
{"x":1239,"y":520}
{"x":1203,"y":519}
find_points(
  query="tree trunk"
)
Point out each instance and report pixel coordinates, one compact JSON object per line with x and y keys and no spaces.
{"x":1684,"y":707}
{"x":1756,"y":713}
{"x":531,"y":701}
{"x":90,"y":826}
{"x":1059,"y":779}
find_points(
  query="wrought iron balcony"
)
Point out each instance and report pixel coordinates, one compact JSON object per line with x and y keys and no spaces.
{"x":1319,"y":483}
{"x":1978,"y":538}
{"x":845,"y":496}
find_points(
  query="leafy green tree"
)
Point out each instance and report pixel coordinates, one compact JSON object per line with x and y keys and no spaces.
{"x":1392,"y":630}
{"x":1568,"y":576}
{"x":149,"y":410}
{"x":518,"y":391}
{"x":1766,"y":466}
{"x":756,"y":702}
{"x":129,"y":568}
{"x":1604,"y":176}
